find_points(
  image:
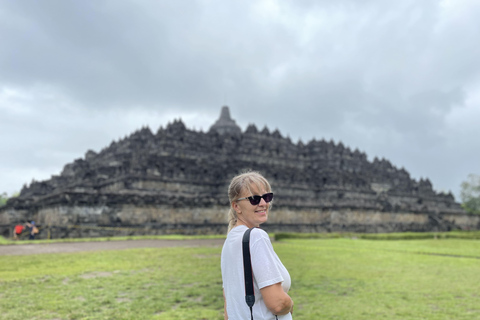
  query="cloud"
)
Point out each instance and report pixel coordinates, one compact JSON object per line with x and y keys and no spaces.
{"x":396,"y":80}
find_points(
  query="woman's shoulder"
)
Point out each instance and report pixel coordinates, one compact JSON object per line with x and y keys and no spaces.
{"x":258,"y":234}
{"x":255,"y":235}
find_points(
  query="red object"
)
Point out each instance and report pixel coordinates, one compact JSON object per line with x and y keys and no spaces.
{"x":19,"y":229}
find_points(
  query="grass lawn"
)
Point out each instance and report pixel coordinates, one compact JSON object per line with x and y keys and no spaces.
{"x":331,"y":279}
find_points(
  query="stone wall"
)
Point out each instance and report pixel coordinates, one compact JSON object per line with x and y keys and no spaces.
{"x":122,"y":220}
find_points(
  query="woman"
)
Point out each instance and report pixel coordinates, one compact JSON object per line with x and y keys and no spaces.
{"x":18,"y":231}
{"x":33,"y":230}
{"x":250,"y":198}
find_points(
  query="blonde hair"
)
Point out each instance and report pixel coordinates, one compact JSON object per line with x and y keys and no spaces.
{"x":240,"y":183}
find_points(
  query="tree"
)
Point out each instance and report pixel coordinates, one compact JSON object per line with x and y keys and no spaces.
{"x":3,"y":198}
{"x":470,"y":194}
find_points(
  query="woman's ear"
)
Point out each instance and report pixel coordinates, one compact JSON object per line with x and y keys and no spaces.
{"x":236,"y":207}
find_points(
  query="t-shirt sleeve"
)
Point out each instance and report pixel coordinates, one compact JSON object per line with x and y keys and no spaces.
{"x":264,"y":260}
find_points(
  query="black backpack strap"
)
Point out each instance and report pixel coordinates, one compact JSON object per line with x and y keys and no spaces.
{"x":247,"y":270}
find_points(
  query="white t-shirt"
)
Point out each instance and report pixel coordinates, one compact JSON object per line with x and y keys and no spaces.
{"x":267,"y":270}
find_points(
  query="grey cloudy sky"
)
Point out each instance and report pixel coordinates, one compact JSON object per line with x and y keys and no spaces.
{"x":396,"y":79}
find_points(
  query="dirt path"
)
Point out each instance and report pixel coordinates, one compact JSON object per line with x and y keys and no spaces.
{"x":25,"y":249}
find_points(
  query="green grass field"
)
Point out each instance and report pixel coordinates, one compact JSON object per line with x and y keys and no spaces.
{"x":331,"y":279}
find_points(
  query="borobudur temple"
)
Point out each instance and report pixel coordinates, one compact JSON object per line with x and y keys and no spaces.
{"x":175,"y":181}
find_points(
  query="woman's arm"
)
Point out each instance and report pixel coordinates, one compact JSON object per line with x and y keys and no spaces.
{"x":225,"y":315}
{"x":277,"y":300}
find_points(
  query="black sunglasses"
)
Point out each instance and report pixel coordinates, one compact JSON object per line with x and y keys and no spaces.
{"x":254,"y":200}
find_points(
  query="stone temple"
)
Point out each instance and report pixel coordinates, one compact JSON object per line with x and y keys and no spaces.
{"x":175,"y":181}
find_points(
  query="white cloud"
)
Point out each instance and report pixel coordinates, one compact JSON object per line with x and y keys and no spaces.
{"x":395,"y":79}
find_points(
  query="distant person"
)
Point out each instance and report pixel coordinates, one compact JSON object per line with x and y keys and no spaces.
{"x":17,"y":231}
{"x":250,"y":198}
{"x":33,"y":230}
